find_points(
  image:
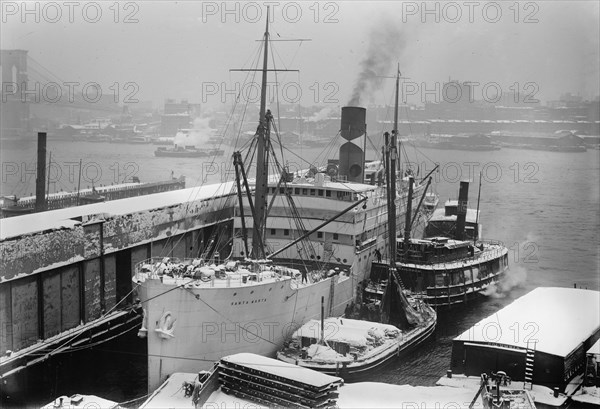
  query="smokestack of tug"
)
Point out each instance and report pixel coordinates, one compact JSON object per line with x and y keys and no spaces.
{"x":461,"y":211}
{"x":353,"y":126}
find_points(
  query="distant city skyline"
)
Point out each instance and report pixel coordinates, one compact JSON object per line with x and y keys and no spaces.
{"x":185,"y":50}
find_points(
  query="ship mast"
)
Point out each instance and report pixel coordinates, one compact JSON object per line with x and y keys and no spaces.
{"x":261,"y":164}
{"x":392,"y":173}
{"x":390,"y":159}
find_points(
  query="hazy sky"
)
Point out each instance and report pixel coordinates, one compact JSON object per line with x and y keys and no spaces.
{"x":185,"y":49}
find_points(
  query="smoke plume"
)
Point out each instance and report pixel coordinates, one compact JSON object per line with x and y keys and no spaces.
{"x":386,"y":43}
{"x":199,"y":135}
{"x":514,"y":277}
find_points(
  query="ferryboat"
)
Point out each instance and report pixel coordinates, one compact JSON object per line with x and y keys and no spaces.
{"x":319,"y":239}
{"x":187,"y":152}
{"x":446,"y":271}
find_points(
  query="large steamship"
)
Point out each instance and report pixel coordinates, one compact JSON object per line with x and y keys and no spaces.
{"x":322,"y":232}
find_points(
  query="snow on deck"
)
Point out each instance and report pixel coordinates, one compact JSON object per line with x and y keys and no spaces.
{"x":170,"y":394}
{"x":382,"y":395}
{"x":81,"y":401}
{"x":371,"y":395}
{"x":540,"y":394}
{"x":439,"y":215}
{"x":63,"y":218}
{"x":282,"y":369}
{"x":560,"y":319}
{"x":354,"y":332}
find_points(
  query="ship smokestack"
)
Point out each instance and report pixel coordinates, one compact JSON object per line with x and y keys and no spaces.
{"x":461,"y":210}
{"x":353,"y":126}
{"x":40,"y":183}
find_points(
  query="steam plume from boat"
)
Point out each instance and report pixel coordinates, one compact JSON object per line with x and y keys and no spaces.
{"x":198,"y":136}
{"x":513,"y":278}
{"x":386,"y":42}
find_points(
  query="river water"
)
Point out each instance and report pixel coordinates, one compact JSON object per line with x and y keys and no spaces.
{"x":543,"y":205}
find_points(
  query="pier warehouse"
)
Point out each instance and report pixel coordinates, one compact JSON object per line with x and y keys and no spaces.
{"x":541,"y":337}
{"x":65,"y":275}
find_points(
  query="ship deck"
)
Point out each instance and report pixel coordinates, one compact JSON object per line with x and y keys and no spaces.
{"x":491,"y":252}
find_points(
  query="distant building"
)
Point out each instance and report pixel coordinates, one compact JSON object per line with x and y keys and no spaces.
{"x":176,"y":116}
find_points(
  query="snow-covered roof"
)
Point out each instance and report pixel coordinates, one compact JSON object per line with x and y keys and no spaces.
{"x":440,"y":215}
{"x":560,"y":319}
{"x":595,"y":349}
{"x":282,"y":369}
{"x":64,"y":218}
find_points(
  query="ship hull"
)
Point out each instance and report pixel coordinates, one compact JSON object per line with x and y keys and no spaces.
{"x":213,"y":322}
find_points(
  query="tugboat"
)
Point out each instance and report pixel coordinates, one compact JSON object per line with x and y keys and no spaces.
{"x":449,"y":269}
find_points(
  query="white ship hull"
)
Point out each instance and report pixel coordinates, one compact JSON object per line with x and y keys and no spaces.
{"x":253,"y":318}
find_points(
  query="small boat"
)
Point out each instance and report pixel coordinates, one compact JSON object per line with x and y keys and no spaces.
{"x":10,"y":207}
{"x":94,"y":197}
{"x":350,"y":348}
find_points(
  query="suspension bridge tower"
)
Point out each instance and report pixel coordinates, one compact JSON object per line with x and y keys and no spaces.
{"x":14,"y":104}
